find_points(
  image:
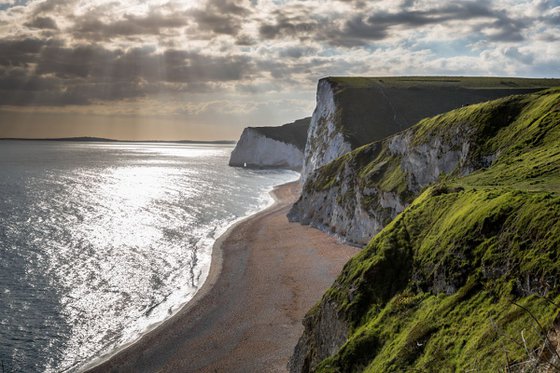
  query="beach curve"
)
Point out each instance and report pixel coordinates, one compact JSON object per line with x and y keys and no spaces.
{"x":265,"y":274}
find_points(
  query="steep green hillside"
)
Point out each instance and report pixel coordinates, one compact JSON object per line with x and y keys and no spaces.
{"x":356,"y":195}
{"x":467,"y":277}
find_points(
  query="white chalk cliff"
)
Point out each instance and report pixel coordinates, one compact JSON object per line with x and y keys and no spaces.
{"x":256,"y":150}
{"x":352,"y":112}
{"x":355,"y":196}
{"x":325,"y":142}
{"x":364,"y":121}
{"x":271,"y":147}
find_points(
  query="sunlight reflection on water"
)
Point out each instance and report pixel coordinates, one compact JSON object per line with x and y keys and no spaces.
{"x":101,"y":240}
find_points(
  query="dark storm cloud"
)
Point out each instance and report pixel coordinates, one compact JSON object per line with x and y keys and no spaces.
{"x":23,"y":51}
{"x":17,"y":78}
{"x":360,"y":28}
{"x":81,"y":61}
{"x":43,"y":72}
{"x":42,"y":23}
{"x":46,"y":72}
{"x":293,"y":25}
{"x":214,"y":17}
{"x":52,"y":6}
{"x":508,"y":30}
{"x":296,"y":52}
{"x":245,"y":40}
{"x":90,"y":27}
{"x":28,"y":89}
{"x":187,"y":67}
{"x":172,"y":66}
{"x":220,"y":17}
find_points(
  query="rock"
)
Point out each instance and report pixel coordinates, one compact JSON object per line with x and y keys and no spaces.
{"x":272,"y":147}
{"x":323,"y":335}
{"x":355,"y":111}
{"x":367,"y":119}
{"x":478,"y":192}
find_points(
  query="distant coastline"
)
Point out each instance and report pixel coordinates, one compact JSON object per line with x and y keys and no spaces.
{"x":102,"y":139}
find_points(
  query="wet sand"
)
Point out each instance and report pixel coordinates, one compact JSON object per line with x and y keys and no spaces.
{"x":266,"y":274}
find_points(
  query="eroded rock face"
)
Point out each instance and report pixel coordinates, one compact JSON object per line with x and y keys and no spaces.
{"x":258,"y":151}
{"x":324,"y":333}
{"x":352,"y":112}
{"x":271,"y":147}
{"x":361,"y":192}
{"x":325,"y":142}
{"x":357,"y":195}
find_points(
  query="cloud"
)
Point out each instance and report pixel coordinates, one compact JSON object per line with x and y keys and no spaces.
{"x":85,"y":73}
{"x":40,"y":8}
{"x":221,"y":16}
{"x":22,"y":52}
{"x":296,"y":52}
{"x":90,"y":27}
{"x":63,"y":53}
{"x":297,"y":22}
{"x":360,"y":25}
{"x":360,"y":29}
{"x":514,"y":53}
{"x":7,"y":4}
{"x":42,"y":23}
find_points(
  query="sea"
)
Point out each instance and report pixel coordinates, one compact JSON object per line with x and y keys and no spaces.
{"x":100,"y":241}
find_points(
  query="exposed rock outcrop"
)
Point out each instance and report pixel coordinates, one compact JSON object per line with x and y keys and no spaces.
{"x":325,"y":333}
{"x":272,"y":147}
{"x":352,"y":112}
{"x":454,"y":281}
{"x":356,"y":195}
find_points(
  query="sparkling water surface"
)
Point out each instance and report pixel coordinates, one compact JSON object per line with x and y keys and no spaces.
{"x":98,"y":241}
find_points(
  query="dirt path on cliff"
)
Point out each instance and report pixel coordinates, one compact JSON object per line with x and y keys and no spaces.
{"x":266,"y":274}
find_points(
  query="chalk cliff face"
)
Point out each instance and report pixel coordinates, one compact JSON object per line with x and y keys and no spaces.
{"x":356,"y":195}
{"x":325,"y":141}
{"x":272,"y":147}
{"x":467,"y":209}
{"x":256,"y":150}
{"x":352,"y":112}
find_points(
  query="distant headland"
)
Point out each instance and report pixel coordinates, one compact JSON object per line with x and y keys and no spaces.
{"x":102,"y":139}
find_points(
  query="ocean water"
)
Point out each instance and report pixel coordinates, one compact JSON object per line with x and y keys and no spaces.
{"x":98,"y":241}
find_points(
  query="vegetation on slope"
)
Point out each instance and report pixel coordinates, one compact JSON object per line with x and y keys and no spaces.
{"x":466,"y":278}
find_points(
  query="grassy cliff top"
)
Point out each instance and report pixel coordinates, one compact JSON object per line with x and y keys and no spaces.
{"x":444,"y":81}
{"x":466,"y":278}
{"x":292,"y":133}
{"x":372,"y":108}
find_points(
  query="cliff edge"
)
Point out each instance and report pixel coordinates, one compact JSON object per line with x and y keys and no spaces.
{"x":464,"y":274}
{"x":354,"y":111}
{"x":272,"y":147}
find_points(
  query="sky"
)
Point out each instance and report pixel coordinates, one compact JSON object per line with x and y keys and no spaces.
{"x":205,"y":69}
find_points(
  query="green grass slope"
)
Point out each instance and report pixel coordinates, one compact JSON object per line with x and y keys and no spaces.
{"x":467,"y":278}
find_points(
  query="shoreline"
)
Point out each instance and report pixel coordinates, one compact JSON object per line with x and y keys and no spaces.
{"x":191,"y":315}
{"x":211,"y":278}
